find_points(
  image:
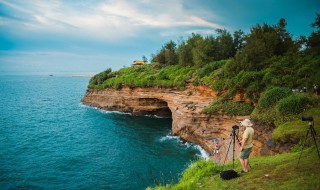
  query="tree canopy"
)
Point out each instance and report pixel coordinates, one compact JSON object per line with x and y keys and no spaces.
{"x":268,"y":56}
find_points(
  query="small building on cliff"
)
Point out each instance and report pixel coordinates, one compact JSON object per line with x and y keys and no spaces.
{"x":139,"y":62}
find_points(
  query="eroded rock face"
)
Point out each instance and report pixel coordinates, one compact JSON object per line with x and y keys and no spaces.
{"x":185,"y":108}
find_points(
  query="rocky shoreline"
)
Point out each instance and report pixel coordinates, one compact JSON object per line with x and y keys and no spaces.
{"x":188,"y":121}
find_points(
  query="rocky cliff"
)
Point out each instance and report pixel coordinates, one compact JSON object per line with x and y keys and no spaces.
{"x":185,"y":108}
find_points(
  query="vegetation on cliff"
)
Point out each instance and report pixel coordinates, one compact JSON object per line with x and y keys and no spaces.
{"x":229,"y":107}
{"x":265,"y":65}
{"x":143,"y":76}
{"x":238,"y":63}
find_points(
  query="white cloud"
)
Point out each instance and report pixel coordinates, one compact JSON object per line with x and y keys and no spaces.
{"x":108,"y":20}
{"x":164,"y":14}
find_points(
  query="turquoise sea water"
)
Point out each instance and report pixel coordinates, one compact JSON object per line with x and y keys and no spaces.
{"x":49,"y":140}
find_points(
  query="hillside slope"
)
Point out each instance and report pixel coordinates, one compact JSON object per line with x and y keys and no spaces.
{"x":268,"y":172}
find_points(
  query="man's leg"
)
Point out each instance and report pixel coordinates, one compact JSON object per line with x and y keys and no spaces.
{"x":246,"y":162}
{"x":242,"y":161}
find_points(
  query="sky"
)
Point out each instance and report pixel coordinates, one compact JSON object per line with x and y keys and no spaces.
{"x":89,"y":36}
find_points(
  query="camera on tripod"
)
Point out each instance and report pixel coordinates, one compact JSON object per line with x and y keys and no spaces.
{"x":307,"y":118}
{"x":313,"y":135}
{"x":235,"y":127}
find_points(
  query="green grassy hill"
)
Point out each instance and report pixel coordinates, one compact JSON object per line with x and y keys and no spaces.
{"x":268,"y":172}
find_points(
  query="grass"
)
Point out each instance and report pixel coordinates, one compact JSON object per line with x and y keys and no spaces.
{"x":295,"y":130}
{"x":268,"y":172}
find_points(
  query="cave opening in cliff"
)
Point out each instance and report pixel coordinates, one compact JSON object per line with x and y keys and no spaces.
{"x":154,"y":106}
{"x":164,"y":111}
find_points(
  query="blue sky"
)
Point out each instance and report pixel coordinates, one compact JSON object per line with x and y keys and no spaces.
{"x":88,"y":36}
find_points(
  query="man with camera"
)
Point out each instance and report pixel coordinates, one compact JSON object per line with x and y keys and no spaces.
{"x":246,"y":144}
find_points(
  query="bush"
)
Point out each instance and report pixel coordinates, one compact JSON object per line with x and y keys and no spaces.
{"x":99,"y":78}
{"x":143,"y":76}
{"x":272,"y":96}
{"x":253,"y":90}
{"x":294,"y":104}
{"x":209,"y":68}
{"x":207,"y":73}
{"x":218,"y":84}
{"x":244,"y":78}
{"x":237,"y":108}
{"x":213,"y":108}
{"x":266,"y":115}
{"x":279,"y":105}
{"x":230,"y":108}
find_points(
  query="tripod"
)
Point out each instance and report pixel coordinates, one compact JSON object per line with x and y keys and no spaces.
{"x":313,"y":135}
{"x":234,"y":136}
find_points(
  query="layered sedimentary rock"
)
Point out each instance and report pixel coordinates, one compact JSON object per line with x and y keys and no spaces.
{"x":188,"y":121}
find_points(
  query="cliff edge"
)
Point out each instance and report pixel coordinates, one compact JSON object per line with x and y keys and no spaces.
{"x":188,"y":121}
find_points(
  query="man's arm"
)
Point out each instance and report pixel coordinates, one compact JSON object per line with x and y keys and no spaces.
{"x":243,"y":142}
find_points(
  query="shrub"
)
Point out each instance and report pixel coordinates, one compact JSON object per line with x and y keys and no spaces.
{"x":213,"y":108}
{"x":272,"y":96}
{"x":244,"y":78}
{"x":218,"y":84}
{"x":209,"y":68}
{"x":253,"y":90}
{"x":294,"y":104}
{"x":230,"y":107}
{"x":237,"y":108}
{"x":99,"y":78}
{"x":206,"y":74}
{"x":144,"y":76}
{"x":266,"y":115}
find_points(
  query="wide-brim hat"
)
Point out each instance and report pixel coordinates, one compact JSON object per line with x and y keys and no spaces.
{"x":246,"y":122}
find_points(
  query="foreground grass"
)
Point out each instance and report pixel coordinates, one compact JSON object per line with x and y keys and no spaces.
{"x":268,"y":172}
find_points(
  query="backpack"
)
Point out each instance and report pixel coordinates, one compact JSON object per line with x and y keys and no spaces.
{"x":229,"y":174}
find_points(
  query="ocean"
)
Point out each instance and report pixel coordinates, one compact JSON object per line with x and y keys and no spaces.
{"x":50,"y":140}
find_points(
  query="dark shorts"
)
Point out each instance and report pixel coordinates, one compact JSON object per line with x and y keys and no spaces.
{"x":245,"y":153}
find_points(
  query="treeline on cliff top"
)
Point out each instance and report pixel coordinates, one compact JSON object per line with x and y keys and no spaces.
{"x":244,"y":63}
{"x":268,"y":59}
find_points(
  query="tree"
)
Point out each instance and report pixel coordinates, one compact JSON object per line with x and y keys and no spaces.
{"x":184,"y":54}
{"x":159,"y":57}
{"x":167,"y":54}
{"x":264,"y":42}
{"x":170,"y":53}
{"x":316,"y":23}
{"x":144,"y":59}
{"x":201,"y":51}
{"x":313,"y":43}
{"x":238,"y":39}
{"x":226,"y":45}
{"x":285,"y":41}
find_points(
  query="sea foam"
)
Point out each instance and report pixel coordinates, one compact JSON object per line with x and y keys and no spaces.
{"x":202,"y":153}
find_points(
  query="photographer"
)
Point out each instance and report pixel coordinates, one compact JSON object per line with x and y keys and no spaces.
{"x":246,"y":144}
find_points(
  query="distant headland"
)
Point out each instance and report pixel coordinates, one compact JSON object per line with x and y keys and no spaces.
{"x":82,"y":76}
